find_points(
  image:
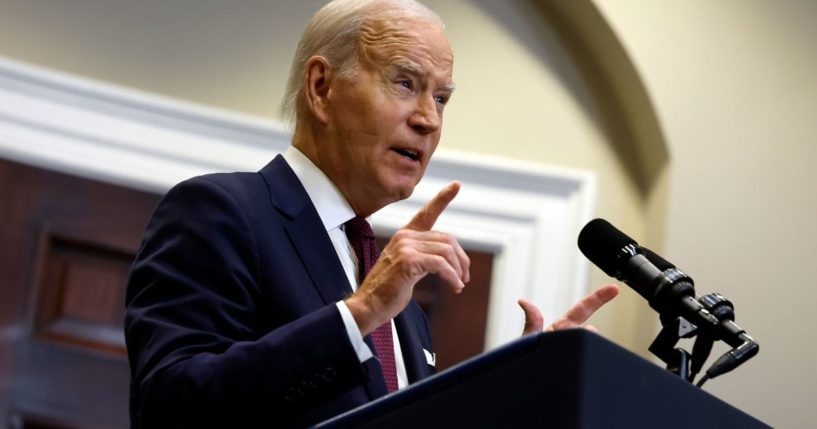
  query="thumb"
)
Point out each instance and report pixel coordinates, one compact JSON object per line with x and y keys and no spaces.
{"x":534,"y":322}
{"x":425,"y":218}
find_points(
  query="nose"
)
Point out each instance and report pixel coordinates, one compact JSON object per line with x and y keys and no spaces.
{"x":426,"y":119}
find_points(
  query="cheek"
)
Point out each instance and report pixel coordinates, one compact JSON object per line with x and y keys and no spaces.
{"x":435,"y":139}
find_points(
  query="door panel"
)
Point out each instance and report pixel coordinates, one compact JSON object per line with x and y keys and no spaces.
{"x":67,"y":244}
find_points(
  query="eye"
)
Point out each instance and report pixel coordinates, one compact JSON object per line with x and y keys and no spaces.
{"x":441,"y":99}
{"x":405,"y":83}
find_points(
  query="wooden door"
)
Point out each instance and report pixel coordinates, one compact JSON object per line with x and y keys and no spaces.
{"x":66,"y":247}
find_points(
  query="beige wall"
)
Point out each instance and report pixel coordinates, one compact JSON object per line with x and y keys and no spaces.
{"x":227,"y":54}
{"x":733,"y":83}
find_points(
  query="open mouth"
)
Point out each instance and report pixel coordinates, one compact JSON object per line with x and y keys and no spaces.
{"x":408,"y":153}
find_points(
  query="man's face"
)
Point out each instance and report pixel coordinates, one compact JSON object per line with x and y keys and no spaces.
{"x":384,"y":123}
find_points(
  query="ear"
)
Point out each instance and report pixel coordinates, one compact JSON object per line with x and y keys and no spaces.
{"x":318,"y":78}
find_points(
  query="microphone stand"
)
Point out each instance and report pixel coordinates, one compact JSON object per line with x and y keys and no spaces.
{"x":677,"y":359}
{"x":685,"y":365}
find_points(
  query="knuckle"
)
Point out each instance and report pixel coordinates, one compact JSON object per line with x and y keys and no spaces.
{"x":449,"y":254}
{"x":401,"y":234}
{"x":405,"y":241}
{"x":405,"y":254}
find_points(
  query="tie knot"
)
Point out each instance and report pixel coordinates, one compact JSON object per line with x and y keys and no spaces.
{"x":361,"y":238}
{"x":359,"y":228}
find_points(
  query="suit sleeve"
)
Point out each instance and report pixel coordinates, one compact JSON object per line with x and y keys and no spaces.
{"x":197,"y":358}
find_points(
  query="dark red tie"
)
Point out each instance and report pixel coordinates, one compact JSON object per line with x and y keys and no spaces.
{"x":361,"y":237}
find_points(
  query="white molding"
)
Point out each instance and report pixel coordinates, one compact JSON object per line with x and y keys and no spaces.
{"x":527,"y":214}
{"x":123,"y":136}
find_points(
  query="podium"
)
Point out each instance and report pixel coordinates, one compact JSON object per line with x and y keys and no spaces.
{"x":565,"y":379}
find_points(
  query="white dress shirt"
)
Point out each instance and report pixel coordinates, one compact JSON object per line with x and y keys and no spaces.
{"x":335,"y":211}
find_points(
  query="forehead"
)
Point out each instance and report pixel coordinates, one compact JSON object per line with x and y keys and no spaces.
{"x":408,"y":43}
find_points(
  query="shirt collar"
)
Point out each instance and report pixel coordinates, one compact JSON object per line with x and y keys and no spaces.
{"x":332,"y":208}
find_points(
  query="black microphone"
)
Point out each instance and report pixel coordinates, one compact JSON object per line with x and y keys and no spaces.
{"x":667,"y":289}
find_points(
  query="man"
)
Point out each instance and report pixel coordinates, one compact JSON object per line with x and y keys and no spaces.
{"x":251,"y":301}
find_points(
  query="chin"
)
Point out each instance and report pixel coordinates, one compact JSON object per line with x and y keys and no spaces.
{"x":397,"y":193}
{"x":405,"y":194}
{"x":398,"y":187}
{"x":404,"y":189}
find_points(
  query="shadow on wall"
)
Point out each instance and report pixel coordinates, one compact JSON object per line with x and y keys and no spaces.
{"x":607,"y":86}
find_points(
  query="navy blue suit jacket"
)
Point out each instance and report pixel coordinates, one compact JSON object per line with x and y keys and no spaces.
{"x":231,"y":318}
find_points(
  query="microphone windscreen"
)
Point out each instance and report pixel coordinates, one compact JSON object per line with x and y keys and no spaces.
{"x":601,"y":243}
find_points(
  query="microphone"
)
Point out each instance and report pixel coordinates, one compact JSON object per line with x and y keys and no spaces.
{"x":667,"y":289}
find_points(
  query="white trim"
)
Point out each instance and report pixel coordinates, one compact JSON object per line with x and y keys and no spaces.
{"x":123,"y":136}
{"x":527,"y":214}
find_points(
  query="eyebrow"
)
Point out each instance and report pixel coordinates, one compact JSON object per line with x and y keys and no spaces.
{"x":411,"y":68}
{"x":407,"y":67}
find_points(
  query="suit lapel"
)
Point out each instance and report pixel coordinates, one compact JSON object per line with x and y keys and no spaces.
{"x":310,"y":240}
{"x":305,"y":231}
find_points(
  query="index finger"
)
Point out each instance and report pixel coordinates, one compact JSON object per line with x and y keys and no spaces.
{"x":425,"y":218}
{"x":588,"y":305}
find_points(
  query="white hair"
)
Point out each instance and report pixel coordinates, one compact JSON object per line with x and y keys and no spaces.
{"x":334,"y":32}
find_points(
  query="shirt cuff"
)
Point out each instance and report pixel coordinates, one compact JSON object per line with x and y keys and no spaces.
{"x":353,"y":332}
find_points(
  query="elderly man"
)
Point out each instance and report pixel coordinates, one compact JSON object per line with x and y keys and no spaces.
{"x":255,"y":299}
